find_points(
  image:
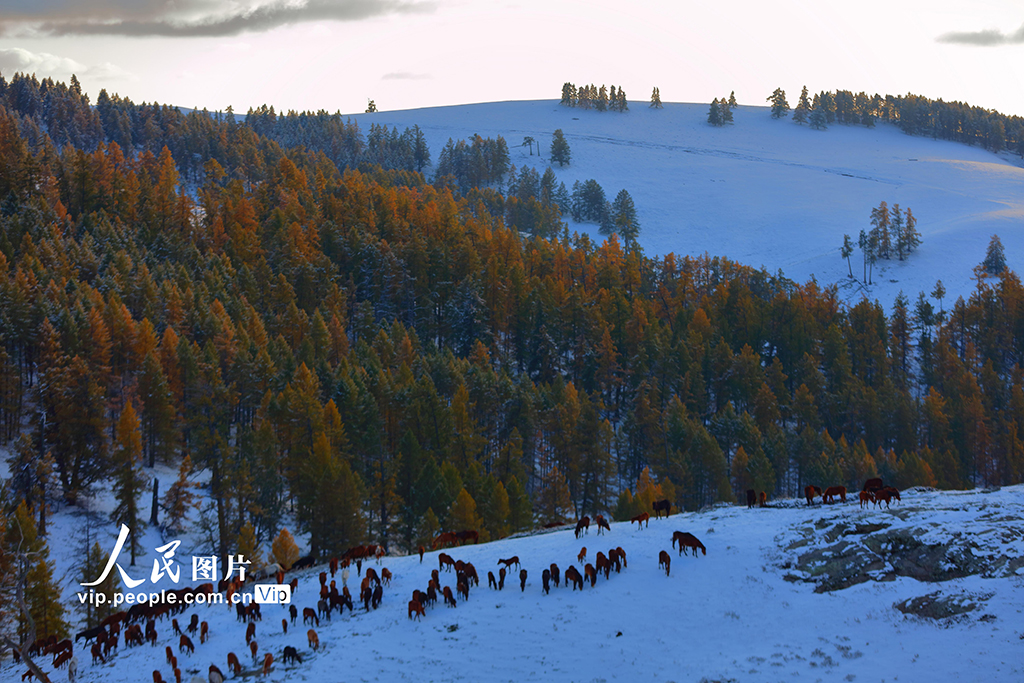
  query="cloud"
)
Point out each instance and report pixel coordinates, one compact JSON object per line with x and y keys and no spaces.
{"x":191,"y":18}
{"x":986,"y":38}
{"x":404,"y":76}
{"x":14,"y":59}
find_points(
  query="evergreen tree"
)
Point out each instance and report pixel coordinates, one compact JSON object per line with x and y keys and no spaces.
{"x":554,"y":503}
{"x":520,"y":510}
{"x":995,"y":257}
{"x":421,"y":152}
{"x":620,"y":100}
{"x":715,"y":114}
{"x":568,"y":95}
{"x":779,"y":104}
{"x":655,"y":99}
{"x":846,"y":251}
{"x":732,"y":102}
{"x":817,"y":118}
{"x":371,"y":107}
{"x":911,"y":237}
{"x":897,"y":232}
{"x":880,"y":230}
{"x":803,"y":107}
{"x":129,"y":480}
{"x":179,"y":498}
{"x":624,"y":218}
{"x":725,"y":110}
{"x":560,"y":151}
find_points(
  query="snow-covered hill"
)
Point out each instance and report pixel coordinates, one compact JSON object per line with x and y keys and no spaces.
{"x":755,"y":608}
{"x":767,"y":192}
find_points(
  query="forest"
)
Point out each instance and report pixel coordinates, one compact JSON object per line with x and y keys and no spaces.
{"x":332,"y":343}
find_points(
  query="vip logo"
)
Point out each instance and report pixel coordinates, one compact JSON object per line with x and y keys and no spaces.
{"x":273,"y":594}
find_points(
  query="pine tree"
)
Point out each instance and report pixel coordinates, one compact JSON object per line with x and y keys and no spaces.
{"x":554,"y":504}
{"x":715,"y":114}
{"x":624,"y":218}
{"x":620,"y":101}
{"x":911,"y":237}
{"x":803,"y":107}
{"x":880,"y":231}
{"x":817,"y":118}
{"x":846,"y":251}
{"x":421,"y":152}
{"x":560,"y":151}
{"x":732,"y":102}
{"x":725,"y":110}
{"x":995,"y":257}
{"x":568,"y":95}
{"x":655,"y":99}
{"x":520,"y":510}
{"x":779,"y":104}
{"x":129,"y":481}
{"x":283,"y":550}
{"x":897,"y":231}
{"x":371,"y":107}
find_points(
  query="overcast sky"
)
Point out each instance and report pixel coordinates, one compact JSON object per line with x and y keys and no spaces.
{"x":335,"y":54}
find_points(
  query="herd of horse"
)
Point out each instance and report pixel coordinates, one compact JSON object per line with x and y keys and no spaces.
{"x":104,"y":637}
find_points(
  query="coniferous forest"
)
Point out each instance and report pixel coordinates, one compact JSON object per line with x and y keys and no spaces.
{"x":292,"y":311}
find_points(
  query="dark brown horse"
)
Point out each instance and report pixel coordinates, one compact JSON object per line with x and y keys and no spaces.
{"x":664,"y":561}
{"x":751,"y":498}
{"x":583,"y":526}
{"x":810,"y":492}
{"x":662,"y":506}
{"x":831,"y":492}
{"x":687,"y":540}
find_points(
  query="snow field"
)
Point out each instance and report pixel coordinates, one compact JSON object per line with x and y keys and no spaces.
{"x":730,"y":615}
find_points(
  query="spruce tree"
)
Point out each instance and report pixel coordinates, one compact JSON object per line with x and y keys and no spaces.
{"x":995,"y":257}
{"x":520,"y":510}
{"x":129,"y":480}
{"x":779,"y":104}
{"x":655,"y":99}
{"x":421,"y":152}
{"x":624,"y":218}
{"x":620,"y":101}
{"x":714,"y":114}
{"x":880,"y":230}
{"x":897,"y":232}
{"x":725,"y":110}
{"x":803,"y":107}
{"x":560,"y":151}
{"x":732,"y":102}
{"x":911,"y":237}
{"x":816,"y":119}
{"x":462,"y":516}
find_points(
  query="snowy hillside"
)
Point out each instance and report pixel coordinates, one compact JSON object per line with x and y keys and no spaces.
{"x":934,"y":591}
{"x":767,"y":192}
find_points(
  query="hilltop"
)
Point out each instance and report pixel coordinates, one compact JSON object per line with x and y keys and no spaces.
{"x":766,"y":192}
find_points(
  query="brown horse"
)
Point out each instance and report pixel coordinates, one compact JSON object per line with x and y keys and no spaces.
{"x":421,"y":550}
{"x":573,"y":574}
{"x":449,"y":599}
{"x":445,"y":561}
{"x":866,"y":498}
{"x":385,"y":576}
{"x":514,"y":560}
{"x":268,"y":659}
{"x":641,"y":519}
{"x":763,"y":499}
{"x":555,"y":576}
{"x":662,"y":505}
{"x":253,"y":649}
{"x":687,"y":540}
{"x":233,"y":664}
{"x":831,"y":492}
{"x":603,"y":564}
{"x":416,"y":608}
{"x":491,"y":581}
{"x":250,"y":632}
{"x":810,"y":492}
{"x":751,"y":498}
{"x":582,"y":557}
{"x":314,"y":639}
{"x":591,"y":574}
{"x":185,"y":644}
{"x":309,"y":616}
{"x":602,"y":523}
{"x":664,"y":561}
{"x":522,"y":580}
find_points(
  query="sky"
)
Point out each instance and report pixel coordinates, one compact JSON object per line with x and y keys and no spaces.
{"x":335,"y":55}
